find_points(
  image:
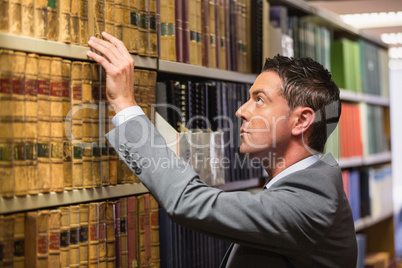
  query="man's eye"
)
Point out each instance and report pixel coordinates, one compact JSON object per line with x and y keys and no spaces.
{"x":260,"y":100}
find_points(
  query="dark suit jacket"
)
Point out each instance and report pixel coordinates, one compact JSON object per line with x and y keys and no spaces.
{"x":303,"y":220}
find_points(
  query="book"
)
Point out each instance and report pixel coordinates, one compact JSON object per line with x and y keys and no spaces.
{"x":8,"y":240}
{"x":40,"y":19}
{"x":14,"y":22}
{"x":43,"y":126}
{"x":93,"y":235}
{"x":4,"y":16}
{"x":151,"y":97}
{"x":127,"y":27}
{"x":75,"y":22}
{"x":163,"y":30}
{"x":19,"y":240}
{"x":27,"y":14}
{"x":212,"y":33}
{"x":154,"y":232}
{"x":103,"y":129}
{"x":133,"y":26}
{"x":56,"y":127}
{"x":18,"y":123}
{"x":95,"y":121}
{"x":117,"y":226}
{"x":76,"y":124}
{"x":110,"y":234}
{"x":52,"y":20}
{"x":1,"y":238}
{"x":66,"y":116}
{"x":144,"y":230}
{"x":109,"y":16}
{"x":64,"y":22}
{"x":65,"y":236}
{"x":185,"y":30}
{"x":132,"y":231}
{"x":198,"y":15}
{"x":6,"y":131}
{"x":36,"y":238}
{"x":54,"y":238}
{"x":143,"y":27}
{"x":205,"y":32}
{"x":118,"y":19}
{"x":102,"y":234}
{"x":83,"y":240}
{"x":171,"y":30}
{"x":83,"y":22}
{"x":123,"y":232}
{"x":87,"y":125}
{"x":74,"y":252}
{"x":153,"y":37}
{"x":178,"y":14}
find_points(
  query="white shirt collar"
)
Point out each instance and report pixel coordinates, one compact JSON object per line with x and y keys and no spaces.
{"x":302,"y":164}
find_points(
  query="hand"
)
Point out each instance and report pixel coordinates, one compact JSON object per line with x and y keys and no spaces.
{"x":119,"y":67}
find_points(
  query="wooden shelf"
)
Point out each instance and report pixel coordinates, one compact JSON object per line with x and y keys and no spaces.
{"x":200,"y":71}
{"x":52,"y":48}
{"x":369,"y":160}
{"x":351,"y":96}
{"x":368,"y":221}
{"x":41,"y":201}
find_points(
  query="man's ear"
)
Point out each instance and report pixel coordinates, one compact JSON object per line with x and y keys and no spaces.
{"x":303,"y":118}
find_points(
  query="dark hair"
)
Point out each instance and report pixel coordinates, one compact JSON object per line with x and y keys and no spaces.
{"x":307,"y":83}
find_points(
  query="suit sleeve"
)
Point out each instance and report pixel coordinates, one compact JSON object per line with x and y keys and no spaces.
{"x":278,"y":219}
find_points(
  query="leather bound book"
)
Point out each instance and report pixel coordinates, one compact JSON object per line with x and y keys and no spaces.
{"x":179,"y":30}
{"x":36,"y":238}
{"x":84,"y":214}
{"x":222,"y":35}
{"x":153,"y":38}
{"x":133,"y":26}
{"x":126,"y":26}
{"x":171,"y":30}
{"x":192,"y":24}
{"x":75,"y":22}
{"x":143,"y":27}
{"x":27,"y":15}
{"x":31,"y":121}
{"x":151,"y":95}
{"x":4,"y":16}
{"x":118,"y":19}
{"x":14,"y":18}
{"x":40,"y":19}
{"x":117,"y":233}
{"x":198,"y":14}
{"x":8,"y":240}
{"x":109,"y":16}
{"x":19,"y":240}
{"x":185,"y":31}
{"x":65,"y":237}
{"x":18,"y":104}
{"x":154,"y":232}
{"x":123,"y":232}
{"x":74,"y":254}
{"x":95,"y":121}
{"x":163,"y":30}
{"x":212,"y":33}
{"x":83,"y":22}
{"x":66,"y":103}
{"x":54,"y":238}
{"x":110,"y":234}
{"x":103,"y":129}
{"x":52,"y":20}
{"x":132,"y":231}
{"x":205,"y":33}
{"x":102,"y":234}
{"x":64,"y":23}
{"x":93,"y":235}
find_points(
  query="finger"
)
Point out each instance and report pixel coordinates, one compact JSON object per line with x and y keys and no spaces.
{"x":119,"y":44}
{"x":101,"y":60}
{"x":107,"y":49}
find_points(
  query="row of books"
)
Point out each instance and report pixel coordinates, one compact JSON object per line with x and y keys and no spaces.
{"x":361,"y":131}
{"x":368,"y":190}
{"x":181,"y":247}
{"x":209,"y":106}
{"x":113,"y":233}
{"x":75,"y":21}
{"x":53,"y":120}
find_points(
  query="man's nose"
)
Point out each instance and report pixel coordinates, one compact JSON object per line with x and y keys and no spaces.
{"x":243,"y":112}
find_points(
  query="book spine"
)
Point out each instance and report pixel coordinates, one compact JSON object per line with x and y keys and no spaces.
{"x":52,"y":20}
{"x":163,"y":30}
{"x":95,"y":120}
{"x":217,"y":34}
{"x":171,"y":30}
{"x":110,"y":234}
{"x":93,"y":235}
{"x":4,"y":15}
{"x":102,"y":235}
{"x":154,"y":232}
{"x":185,"y":31}
{"x":212,"y":34}
{"x":132,"y":231}
{"x":144,"y":230}
{"x":43,"y":126}
{"x":42,"y":254}
{"x":64,"y":23}
{"x":66,"y":108}
{"x":178,"y":30}
{"x":54,"y":238}
{"x":31,"y":121}
{"x":86,"y":125}
{"x":143,"y":27}
{"x":65,"y":237}
{"x":133,"y":26}
{"x":40,"y":19}
{"x":74,"y":254}
{"x":117,"y":233}
{"x":192,"y":16}
{"x":151,"y":95}
{"x":153,"y":38}
{"x":113,"y":157}
{"x":19,"y":239}
{"x":109,"y":16}
{"x":8,"y":240}
{"x":198,"y":14}
{"x":75,"y":22}
{"x":18,"y":104}
{"x":56,"y":127}
{"x":76,"y":124}
{"x":118,"y":19}
{"x":123,"y":232}
{"x":205,"y":32}
{"x":14,"y":17}
{"x":83,"y":22}
{"x":31,"y":236}
{"x":27,"y":15}
{"x":103,"y":129}
{"x":84,"y":211}
{"x":126,"y":26}
{"x":222,"y":35}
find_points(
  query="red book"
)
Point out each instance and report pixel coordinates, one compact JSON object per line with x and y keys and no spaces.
{"x":132,"y":226}
{"x":179,"y":30}
{"x":205,"y":32}
{"x":185,"y":32}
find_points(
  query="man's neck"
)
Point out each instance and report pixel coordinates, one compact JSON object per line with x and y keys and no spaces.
{"x":277,"y":164}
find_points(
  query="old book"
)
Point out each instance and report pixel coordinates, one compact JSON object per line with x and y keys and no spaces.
{"x":198,"y":14}
{"x":52,"y":20}
{"x":31,"y":120}
{"x":117,"y":233}
{"x":171,"y":30}
{"x":65,"y":236}
{"x":96,"y":21}
{"x":123,"y":232}
{"x":74,"y":254}
{"x":144,"y":230}
{"x":103,"y":129}
{"x":163,"y":30}
{"x":102,"y":234}
{"x":178,"y":14}
{"x":6,"y":130}
{"x":185,"y":31}
{"x":84,"y":213}
{"x":205,"y":33}
{"x":56,"y":127}
{"x":19,"y":240}
{"x":151,"y":95}
{"x":1,"y":238}
{"x":27,"y":16}
{"x":83,"y":22}
{"x":43,"y":126}
{"x":14,"y":17}
{"x":18,"y":103}
{"x":113,"y":156}
{"x":212,"y":34}
{"x":64,"y":23}
{"x":54,"y":238}
{"x":127,"y":26}
{"x":133,"y":26}
{"x":76,"y":124}
{"x":109,"y":16}
{"x":93,"y":235}
{"x":141,"y":90}
{"x":222,"y":34}
{"x":40,"y":19}
{"x":87,"y":125}
{"x":95,"y":120}
{"x":143,"y":27}
{"x":153,"y":38}
{"x":66,"y":116}
{"x":192,"y":16}
{"x":154,"y":232}
{"x":217,"y":34}
{"x":8,"y":240}
{"x":132,"y":231}
{"x":75,"y":22}
{"x":110,"y":233}
{"x":4,"y":15}
{"x":118,"y":19}
{"x":36,"y":238}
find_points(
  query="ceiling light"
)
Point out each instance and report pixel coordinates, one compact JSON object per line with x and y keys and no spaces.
{"x":374,"y":20}
{"x":395,"y":53}
{"x":392,"y":38}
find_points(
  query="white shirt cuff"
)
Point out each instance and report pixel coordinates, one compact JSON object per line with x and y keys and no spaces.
{"x":126,"y":114}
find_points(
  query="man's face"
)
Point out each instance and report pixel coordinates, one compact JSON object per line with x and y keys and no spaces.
{"x":266,"y":126}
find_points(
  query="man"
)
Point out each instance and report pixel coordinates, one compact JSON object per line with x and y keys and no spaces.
{"x":302,"y":218}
